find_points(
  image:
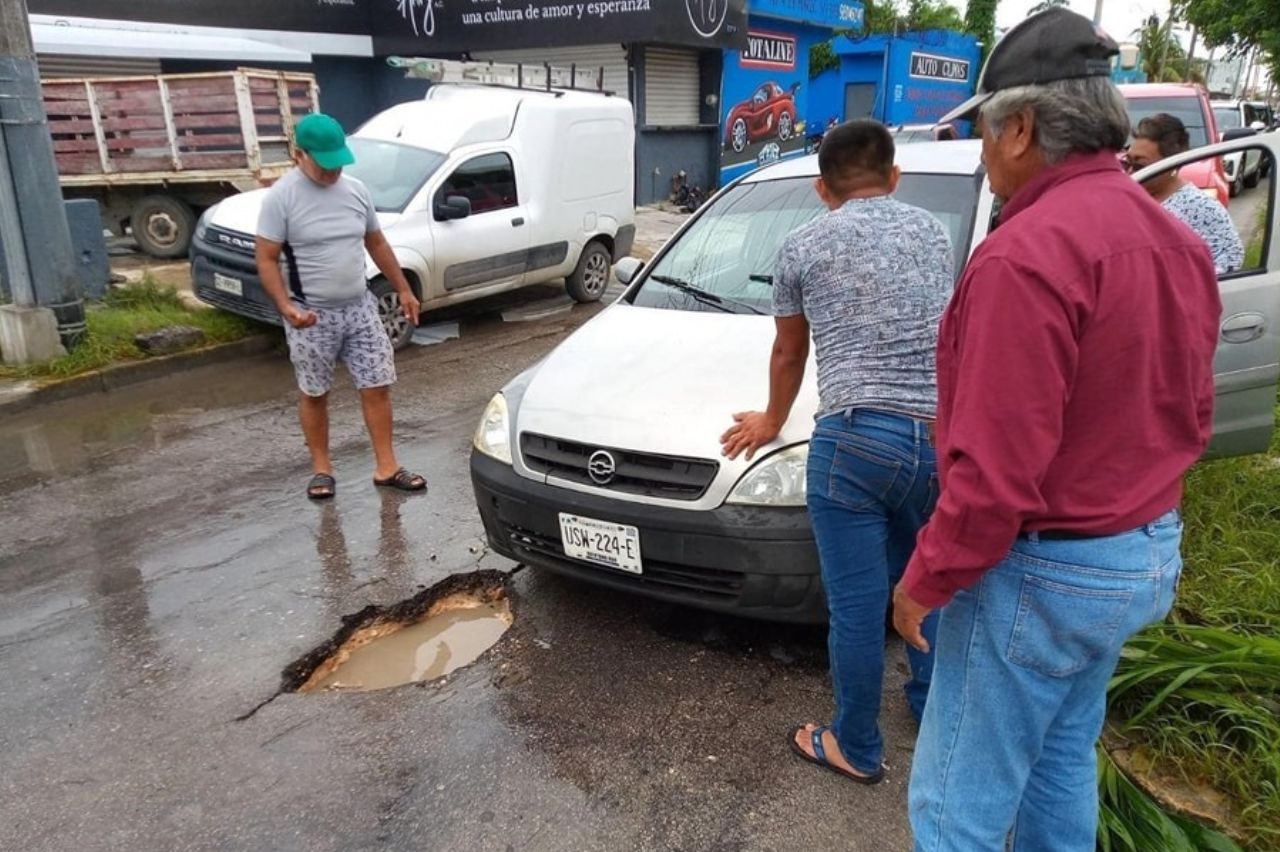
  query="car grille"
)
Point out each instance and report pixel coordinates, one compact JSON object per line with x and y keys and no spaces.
{"x":644,"y":474}
{"x":232,"y":241}
{"x":705,"y":583}
{"x":245,"y":307}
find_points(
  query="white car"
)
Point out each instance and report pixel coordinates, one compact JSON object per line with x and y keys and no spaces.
{"x":1244,"y":169}
{"x":479,"y":190}
{"x":603,"y":461}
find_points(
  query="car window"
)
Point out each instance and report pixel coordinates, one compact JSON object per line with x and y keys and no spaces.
{"x":392,"y":172}
{"x":732,"y":248}
{"x":488,"y":182}
{"x":1186,"y":109}
{"x":1227,"y":118}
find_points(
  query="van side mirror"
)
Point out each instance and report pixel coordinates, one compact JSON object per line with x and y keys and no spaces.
{"x":627,"y":269}
{"x":1239,"y":133}
{"x":453,"y":207}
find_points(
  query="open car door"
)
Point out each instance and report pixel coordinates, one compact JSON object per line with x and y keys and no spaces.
{"x":1247,"y":363}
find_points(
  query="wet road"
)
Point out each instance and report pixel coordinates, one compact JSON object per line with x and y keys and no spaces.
{"x":159,"y":566}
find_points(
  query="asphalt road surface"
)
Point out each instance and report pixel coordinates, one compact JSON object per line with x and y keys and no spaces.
{"x":159,"y":566}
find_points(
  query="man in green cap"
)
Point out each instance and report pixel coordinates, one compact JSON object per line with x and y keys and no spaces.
{"x":314,"y":229}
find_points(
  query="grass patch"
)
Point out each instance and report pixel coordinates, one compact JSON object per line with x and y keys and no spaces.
{"x":1202,"y":693}
{"x":110,"y":328}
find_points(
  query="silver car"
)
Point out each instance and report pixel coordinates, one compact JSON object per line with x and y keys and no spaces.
{"x":603,"y":461}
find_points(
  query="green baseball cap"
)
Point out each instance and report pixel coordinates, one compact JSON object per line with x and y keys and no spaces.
{"x":323,"y":138}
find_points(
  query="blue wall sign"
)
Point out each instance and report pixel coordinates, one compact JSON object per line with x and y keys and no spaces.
{"x":834,"y":14}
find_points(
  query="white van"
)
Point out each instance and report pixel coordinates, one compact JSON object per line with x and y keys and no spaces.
{"x":480,"y":189}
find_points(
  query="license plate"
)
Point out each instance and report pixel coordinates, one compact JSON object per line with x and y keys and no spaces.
{"x":601,"y":543}
{"x":227,"y":284}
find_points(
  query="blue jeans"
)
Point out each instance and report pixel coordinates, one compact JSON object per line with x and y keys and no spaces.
{"x":872,"y":482}
{"x":1019,"y":690}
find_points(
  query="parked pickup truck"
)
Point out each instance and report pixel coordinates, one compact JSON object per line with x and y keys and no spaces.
{"x":156,"y":151}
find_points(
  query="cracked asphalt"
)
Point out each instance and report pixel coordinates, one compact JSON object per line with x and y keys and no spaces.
{"x":159,"y":566}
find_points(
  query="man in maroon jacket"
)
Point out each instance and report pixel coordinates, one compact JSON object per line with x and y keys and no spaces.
{"x":1075,"y":388}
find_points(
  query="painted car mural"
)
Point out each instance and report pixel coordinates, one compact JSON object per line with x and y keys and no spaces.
{"x":770,"y":111}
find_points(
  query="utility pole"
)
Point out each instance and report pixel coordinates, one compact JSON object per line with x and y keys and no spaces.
{"x":48,"y":309}
{"x":1191,"y":57}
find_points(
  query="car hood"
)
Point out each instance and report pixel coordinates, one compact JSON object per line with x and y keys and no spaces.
{"x":661,"y":381}
{"x":239,"y":213}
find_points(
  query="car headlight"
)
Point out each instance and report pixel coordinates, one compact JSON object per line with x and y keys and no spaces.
{"x":202,"y":225}
{"x":776,"y":481}
{"x":493,"y":435}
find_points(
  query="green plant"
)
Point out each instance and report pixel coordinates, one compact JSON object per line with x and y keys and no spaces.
{"x":1131,"y":821}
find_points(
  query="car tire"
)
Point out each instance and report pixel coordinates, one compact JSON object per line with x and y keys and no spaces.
{"x":1235,"y":187}
{"x":738,"y":135}
{"x":1251,"y":181}
{"x":786,"y":125}
{"x":399,"y":330}
{"x":590,"y":279}
{"x":163,"y":226}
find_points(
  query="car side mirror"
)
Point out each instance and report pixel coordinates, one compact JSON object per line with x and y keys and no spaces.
{"x":1239,"y":133}
{"x":1259,"y":126}
{"x":627,"y":269}
{"x":453,"y":207}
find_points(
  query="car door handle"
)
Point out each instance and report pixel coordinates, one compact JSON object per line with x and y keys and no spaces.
{"x":1244,"y":328}
{"x":517,"y":222}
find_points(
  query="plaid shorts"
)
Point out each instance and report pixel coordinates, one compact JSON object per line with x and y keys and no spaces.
{"x":352,"y":333}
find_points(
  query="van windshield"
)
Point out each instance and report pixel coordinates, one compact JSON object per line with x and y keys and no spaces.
{"x":1227,"y":118}
{"x":393,"y":172}
{"x":726,"y":260}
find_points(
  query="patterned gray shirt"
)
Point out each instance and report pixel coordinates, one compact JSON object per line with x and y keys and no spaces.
{"x":1211,"y":221}
{"x":872,"y":279}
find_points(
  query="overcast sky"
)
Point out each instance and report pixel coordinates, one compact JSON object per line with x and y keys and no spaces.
{"x":1119,"y":17}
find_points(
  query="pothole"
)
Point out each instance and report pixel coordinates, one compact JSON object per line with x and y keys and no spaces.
{"x":428,"y":636}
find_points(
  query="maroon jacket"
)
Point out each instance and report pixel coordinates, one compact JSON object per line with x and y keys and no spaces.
{"x":1075,"y":373}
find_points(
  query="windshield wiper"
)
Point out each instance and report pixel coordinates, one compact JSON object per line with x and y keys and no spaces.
{"x":762,"y":278}
{"x":704,"y":296}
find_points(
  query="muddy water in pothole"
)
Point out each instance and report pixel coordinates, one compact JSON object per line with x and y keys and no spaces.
{"x":427,"y":650}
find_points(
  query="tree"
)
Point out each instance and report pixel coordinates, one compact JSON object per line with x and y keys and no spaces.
{"x":980,"y":20}
{"x":1046,"y":5}
{"x":1240,"y":26}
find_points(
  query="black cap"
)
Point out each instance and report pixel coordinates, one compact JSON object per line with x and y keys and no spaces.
{"x":1056,"y":44}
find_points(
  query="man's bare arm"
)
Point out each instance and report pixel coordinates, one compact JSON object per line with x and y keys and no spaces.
{"x":384,"y":257}
{"x":267,"y":254}
{"x":753,"y":429}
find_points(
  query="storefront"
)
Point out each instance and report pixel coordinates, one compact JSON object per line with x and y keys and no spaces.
{"x":765,"y":89}
{"x":915,"y":78}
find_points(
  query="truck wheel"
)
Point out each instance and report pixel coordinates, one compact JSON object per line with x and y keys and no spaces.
{"x":589,"y":281}
{"x":399,"y":329}
{"x":163,"y":226}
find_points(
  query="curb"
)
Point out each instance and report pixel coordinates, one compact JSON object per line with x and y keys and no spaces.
{"x":132,"y":373}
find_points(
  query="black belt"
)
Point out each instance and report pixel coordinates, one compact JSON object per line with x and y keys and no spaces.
{"x":1062,"y":535}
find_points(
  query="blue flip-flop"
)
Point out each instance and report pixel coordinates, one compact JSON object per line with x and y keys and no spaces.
{"x":819,"y":757}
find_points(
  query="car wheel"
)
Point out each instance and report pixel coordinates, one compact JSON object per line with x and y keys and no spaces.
{"x":738,"y":135}
{"x":1251,"y":181}
{"x":163,"y":226}
{"x":785,"y":126}
{"x":590,"y":279}
{"x":1236,"y":186}
{"x":399,"y":329}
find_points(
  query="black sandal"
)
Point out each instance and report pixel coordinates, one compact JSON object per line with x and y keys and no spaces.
{"x":819,"y":757}
{"x":402,"y":480}
{"x":322,"y":487}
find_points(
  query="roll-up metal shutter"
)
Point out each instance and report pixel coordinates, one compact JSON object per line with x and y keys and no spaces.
{"x":672,"y":89}
{"x":589,"y":59}
{"x":52,"y":66}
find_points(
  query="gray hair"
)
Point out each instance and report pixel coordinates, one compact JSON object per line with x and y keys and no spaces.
{"x":1087,"y":114}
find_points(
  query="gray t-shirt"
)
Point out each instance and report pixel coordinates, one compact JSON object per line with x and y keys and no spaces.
{"x":872,"y":279}
{"x":1208,"y":218}
{"x":325,"y":226}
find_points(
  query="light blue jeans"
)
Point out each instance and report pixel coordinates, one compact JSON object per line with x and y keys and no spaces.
{"x":1006,"y":749}
{"x":872,"y":482}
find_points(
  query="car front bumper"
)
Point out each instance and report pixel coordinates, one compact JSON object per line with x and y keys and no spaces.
{"x":208,"y":260}
{"x":743,"y":560}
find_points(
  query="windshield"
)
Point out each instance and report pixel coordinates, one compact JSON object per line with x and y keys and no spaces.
{"x":1227,"y":118}
{"x":394,"y":173}
{"x":1187,"y":110}
{"x":730,"y":252}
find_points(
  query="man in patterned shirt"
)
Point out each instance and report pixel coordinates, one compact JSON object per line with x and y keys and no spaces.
{"x":870,"y":279}
{"x":1164,"y":135}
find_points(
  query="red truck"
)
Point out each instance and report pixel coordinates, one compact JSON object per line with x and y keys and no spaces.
{"x":1190,"y":103}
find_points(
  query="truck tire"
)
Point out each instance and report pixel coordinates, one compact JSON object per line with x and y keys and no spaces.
{"x":590,"y":279}
{"x":399,"y":329}
{"x":163,"y":226}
